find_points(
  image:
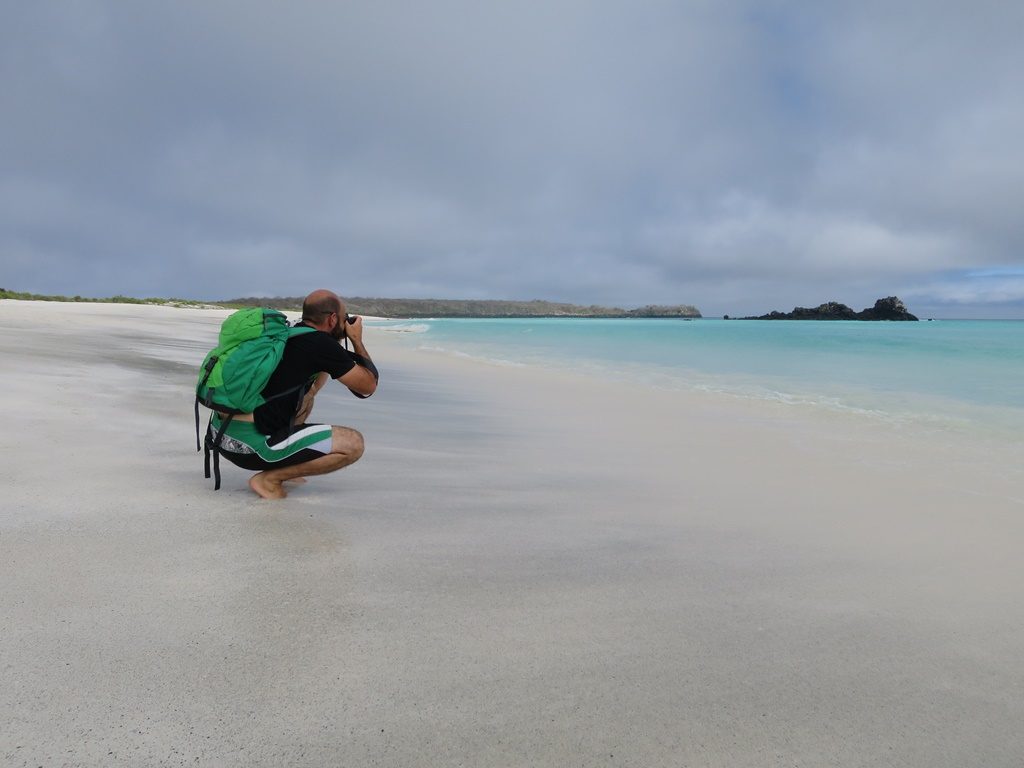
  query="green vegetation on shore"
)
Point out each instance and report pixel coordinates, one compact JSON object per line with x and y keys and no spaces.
{"x":6,"y":294}
{"x":404,"y":307}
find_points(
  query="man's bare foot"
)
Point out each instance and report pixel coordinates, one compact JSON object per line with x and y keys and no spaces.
{"x":265,"y":488}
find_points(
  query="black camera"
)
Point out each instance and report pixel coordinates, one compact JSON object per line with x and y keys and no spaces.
{"x":350,"y":319}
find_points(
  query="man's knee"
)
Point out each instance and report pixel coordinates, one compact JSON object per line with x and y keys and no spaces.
{"x":348,"y":442}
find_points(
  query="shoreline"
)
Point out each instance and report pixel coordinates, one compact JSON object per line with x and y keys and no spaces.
{"x":939,"y":415}
{"x":526,"y":566}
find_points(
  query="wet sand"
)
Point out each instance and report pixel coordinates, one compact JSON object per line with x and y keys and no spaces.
{"x":526,"y":568}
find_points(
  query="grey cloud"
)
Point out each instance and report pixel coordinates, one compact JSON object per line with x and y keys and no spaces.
{"x":734,"y":155}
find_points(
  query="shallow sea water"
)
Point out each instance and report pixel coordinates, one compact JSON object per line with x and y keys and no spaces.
{"x":961,"y":375}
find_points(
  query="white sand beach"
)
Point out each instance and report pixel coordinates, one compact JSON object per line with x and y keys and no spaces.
{"x":525,"y":569}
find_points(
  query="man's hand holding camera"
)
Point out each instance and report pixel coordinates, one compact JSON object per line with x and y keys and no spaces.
{"x":352,"y":330}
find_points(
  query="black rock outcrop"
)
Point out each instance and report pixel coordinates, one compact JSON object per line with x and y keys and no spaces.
{"x":889,"y":308}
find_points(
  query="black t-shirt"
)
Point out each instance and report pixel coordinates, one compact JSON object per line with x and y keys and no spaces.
{"x":305,"y":356}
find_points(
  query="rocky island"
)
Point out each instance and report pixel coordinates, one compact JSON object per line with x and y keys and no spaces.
{"x":889,"y":308}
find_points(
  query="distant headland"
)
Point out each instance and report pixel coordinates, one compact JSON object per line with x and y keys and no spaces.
{"x":889,"y":308}
{"x":411,"y":308}
{"x":420,"y":308}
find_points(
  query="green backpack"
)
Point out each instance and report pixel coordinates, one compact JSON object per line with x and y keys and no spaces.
{"x":235,"y":372}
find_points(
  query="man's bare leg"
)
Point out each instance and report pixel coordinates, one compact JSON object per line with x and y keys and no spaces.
{"x":346,"y":448}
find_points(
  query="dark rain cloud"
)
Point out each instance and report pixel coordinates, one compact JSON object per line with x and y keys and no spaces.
{"x":739,"y":156}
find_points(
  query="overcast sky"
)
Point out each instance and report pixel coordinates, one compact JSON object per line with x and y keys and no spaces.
{"x":739,"y":156}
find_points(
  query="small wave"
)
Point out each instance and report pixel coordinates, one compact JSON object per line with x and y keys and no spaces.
{"x":478,"y":358}
{"x":939,"y":419}
{"x":406,"y":328}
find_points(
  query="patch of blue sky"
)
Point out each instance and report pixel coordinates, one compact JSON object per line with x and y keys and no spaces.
{"x":996,"y":272}
{"x":984,"y":292}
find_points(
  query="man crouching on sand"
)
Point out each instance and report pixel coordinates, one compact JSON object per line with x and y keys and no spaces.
{"x":275,"y":438}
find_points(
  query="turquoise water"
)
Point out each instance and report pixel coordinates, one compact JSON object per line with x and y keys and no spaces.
{"x":958,"y":371}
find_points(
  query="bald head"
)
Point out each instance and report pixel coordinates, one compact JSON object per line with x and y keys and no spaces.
{"x":319,"y":305}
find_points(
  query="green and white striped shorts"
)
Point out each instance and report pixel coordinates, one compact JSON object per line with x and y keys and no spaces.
{"x":245,"y":446}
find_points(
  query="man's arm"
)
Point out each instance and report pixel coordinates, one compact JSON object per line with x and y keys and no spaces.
{"x":362,"y":379}
{"x":307,"y":402}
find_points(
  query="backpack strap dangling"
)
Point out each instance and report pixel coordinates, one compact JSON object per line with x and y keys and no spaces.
{"x":198,"y":447}
{"x":213,"y":446}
